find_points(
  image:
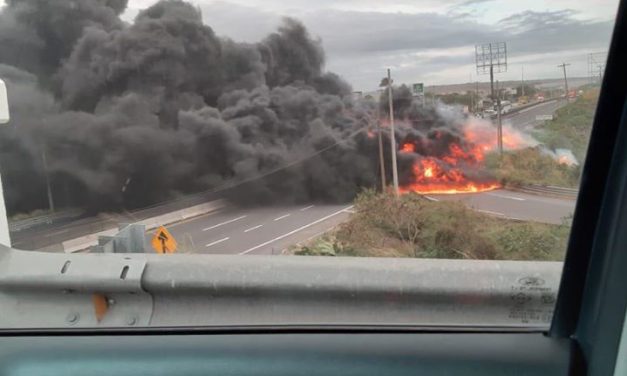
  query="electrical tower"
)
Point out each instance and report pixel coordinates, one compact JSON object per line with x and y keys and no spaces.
{"x":491,"y":58}
{"x":596,"y":66}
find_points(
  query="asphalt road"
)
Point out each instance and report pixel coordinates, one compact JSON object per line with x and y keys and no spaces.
{"x":271,"y":230}
{"x":527,"y":118}
{"x":515,"y":205}
{"x":262,"y":230}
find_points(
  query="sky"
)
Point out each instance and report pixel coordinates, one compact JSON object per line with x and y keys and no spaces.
{"x":429,"y":41}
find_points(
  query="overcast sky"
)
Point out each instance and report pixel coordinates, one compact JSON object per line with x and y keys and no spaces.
{"x":430,"y":41}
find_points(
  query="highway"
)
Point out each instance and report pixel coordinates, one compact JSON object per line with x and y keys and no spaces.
{"x":271,"y":230}
{"x":256,"y":230}
{"x":515,"y":205}
{"x":526,"y":118}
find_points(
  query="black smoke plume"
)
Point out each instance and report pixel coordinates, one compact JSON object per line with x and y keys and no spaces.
{"x":119,"y":116}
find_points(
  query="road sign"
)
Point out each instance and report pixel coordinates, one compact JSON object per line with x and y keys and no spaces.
{"x":418,"y":88}
{"x":163,"y":241}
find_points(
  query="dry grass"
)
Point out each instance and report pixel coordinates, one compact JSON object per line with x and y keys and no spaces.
{"x":415,"y":227}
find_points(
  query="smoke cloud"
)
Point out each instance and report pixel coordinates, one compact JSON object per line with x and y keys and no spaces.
{"x":119,"y":116}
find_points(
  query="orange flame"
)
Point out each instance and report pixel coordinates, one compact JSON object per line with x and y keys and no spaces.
{"x":408,"y":147}
{"x":428,"y":172}
{"x":432,"y":176}
{"x":448,"y":174}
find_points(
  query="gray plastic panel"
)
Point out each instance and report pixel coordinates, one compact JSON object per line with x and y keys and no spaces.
{"x":286,"y":354}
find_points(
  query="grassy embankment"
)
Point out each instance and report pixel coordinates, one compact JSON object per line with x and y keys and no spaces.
{"x":415,"y":227}
{"x":570,"y":129}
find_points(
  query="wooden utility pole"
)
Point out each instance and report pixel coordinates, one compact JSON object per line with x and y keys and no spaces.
{"x":381,"y":159}
{"x":47,"y":176}
{"x":522,"y":81}
{"x":392,"y":136}
{"x":499,"y":132}
{"x":563,"y":66}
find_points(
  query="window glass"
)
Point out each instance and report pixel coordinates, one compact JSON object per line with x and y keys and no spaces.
{"x":403,"y":129}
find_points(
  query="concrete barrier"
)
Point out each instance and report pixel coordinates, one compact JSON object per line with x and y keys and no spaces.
{"x":86,"y":241}
{"x":551,"y":191}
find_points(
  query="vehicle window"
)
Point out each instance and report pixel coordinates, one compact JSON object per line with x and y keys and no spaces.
{"x":404,"y":129}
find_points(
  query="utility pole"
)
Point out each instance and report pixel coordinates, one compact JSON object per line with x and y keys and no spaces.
{"x":492,"y":84}
{"x":563,"y":66}
{"x":499,"y":132}
{"x":48,"y":187}
{"x":392,"y":136}
{"x":477,"y":91}
{"x":522,"y":81}
{"x":489,"y":56}
{"x":381,"y":159}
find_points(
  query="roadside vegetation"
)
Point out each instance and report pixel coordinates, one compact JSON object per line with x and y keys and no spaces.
{"x":570,"y":129}
{"x":531,"y":166}
{"x":412,"y":226}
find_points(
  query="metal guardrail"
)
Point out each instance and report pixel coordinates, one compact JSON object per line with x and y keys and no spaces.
{"x":26,"y":223}
{"x":55,"y":290}
{"x":561,"y":192}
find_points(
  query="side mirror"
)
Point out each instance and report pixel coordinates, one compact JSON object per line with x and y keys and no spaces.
{"x":4,"y":104}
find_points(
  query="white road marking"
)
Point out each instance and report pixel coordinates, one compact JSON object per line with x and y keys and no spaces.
{"x":490,"y":212}
{"x":320,"y":233}
{"x":307,"y":208}
{"x":253,"y":228}
{"x":217,"y":241}
{"x":295,"y":231}
{"x":504,"y":196}
{"x":281,"y":217}
{"x":57,"y":233}
{"x":431,"y":198}
{"x":224,"y":223}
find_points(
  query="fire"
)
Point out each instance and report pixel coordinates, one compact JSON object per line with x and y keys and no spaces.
{"x":408,"y":147}
{"x":459,"y":169}
{"x":428,"y":172}
{"x":431,"y":175}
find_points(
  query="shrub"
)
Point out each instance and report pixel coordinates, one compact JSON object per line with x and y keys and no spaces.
{"x":411,"y":226}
